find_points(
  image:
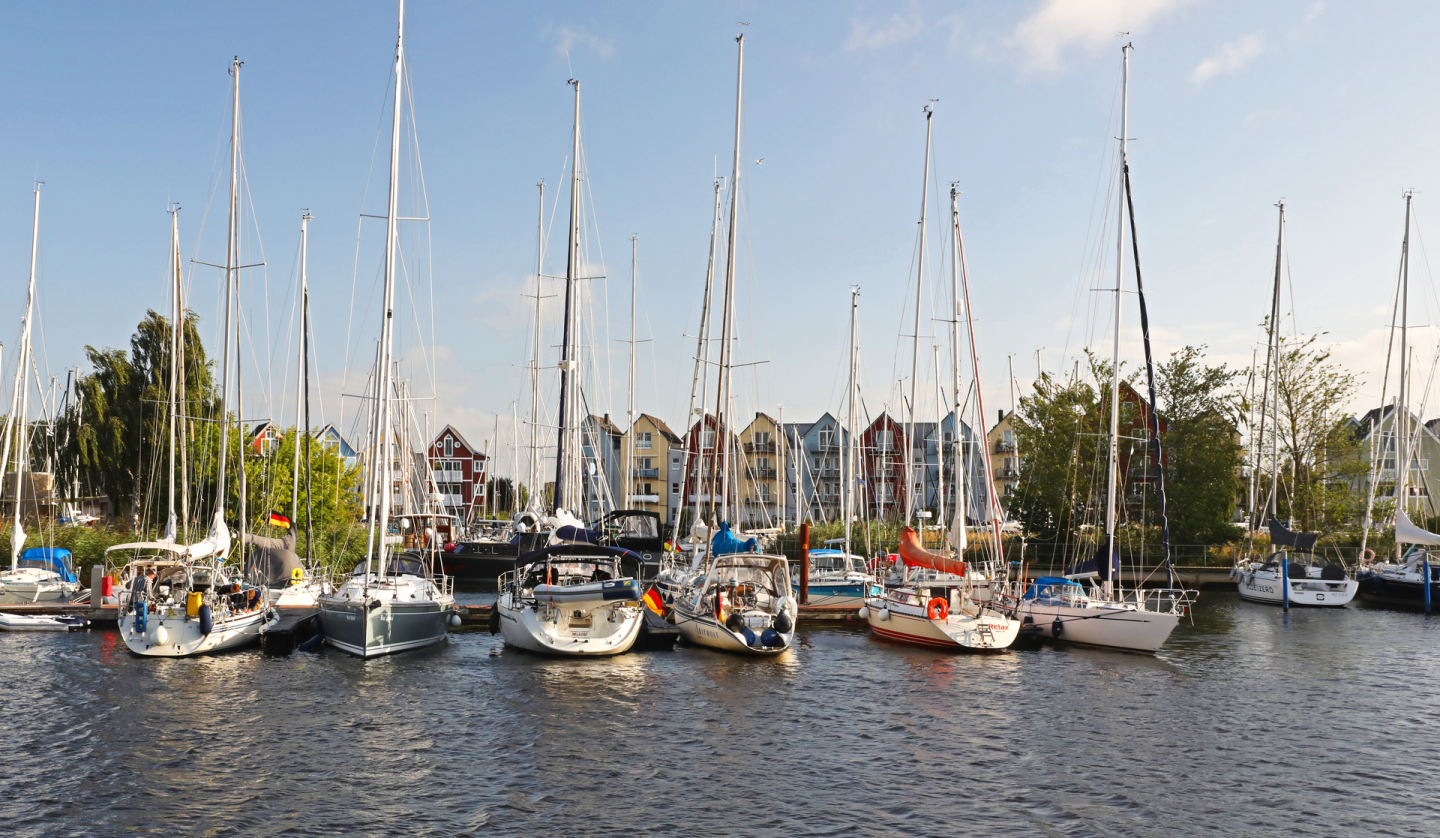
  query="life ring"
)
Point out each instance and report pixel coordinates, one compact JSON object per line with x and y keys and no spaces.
{"x":938,"y":609}
{"x":1367,"y":552}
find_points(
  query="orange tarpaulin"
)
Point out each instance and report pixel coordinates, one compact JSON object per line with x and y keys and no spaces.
{"x":911,"y":553}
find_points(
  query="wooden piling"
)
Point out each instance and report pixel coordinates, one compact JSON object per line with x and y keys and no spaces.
{"x":805,"y":563}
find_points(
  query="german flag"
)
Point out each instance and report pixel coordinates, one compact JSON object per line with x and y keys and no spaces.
{"x":653,"y":600}
{"x":278,"y":520}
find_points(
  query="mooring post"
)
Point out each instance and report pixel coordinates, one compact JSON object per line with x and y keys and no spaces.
{"x":97,"y":587}
{"x":805,"y":563}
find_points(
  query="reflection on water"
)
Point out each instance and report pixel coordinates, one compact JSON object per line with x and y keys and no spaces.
{"x":1250,"y":721}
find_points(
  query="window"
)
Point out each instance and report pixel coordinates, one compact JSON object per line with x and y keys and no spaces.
{"x":645,"y":489}
{"x":675,"y":459}
{"x":674,"y":488}
{"x":765,"y":492}
{"x":644,"y":439}
{"x":827,"y":437}
{"x":707,"y":439}
{"x":762,"y":437}
{"x":645,"y":462}
{"x":885,"y":440}
{"x":762,"y":462}
{"x":449,"y":446}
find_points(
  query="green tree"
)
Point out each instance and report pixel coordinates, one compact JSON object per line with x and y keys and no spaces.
{"x":335,"y":496}
{"x":1058,"y":430}
{"x":1201,"y":447}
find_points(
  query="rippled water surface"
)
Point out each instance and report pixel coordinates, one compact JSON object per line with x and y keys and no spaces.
{"x":1249,"y":722}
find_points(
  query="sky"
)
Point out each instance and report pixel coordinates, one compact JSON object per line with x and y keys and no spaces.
{"x":123,"y":109}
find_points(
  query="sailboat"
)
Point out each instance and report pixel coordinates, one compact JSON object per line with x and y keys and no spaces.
{"x":178,"y":600}
{"x":393,"y":600}
{"x":290,"y":581}
{"x":38,"y":575}
{"x":1410,"y":579}
{"x":1292,"y":574}
{"x":837,"y":577}
{"x":571,"y":599}
{"x":1105,"y":614}
{"x":940,"y":600}
{"x":742,"y":601}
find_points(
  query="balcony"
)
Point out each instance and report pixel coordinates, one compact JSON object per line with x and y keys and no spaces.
{"x":824,"y":446}
{"x":828,"y":473}
{"x":764,"y":473}
{"x":642,"y":498}
{"x":759,"y":448}
{"x":1007,"y":473}
{"x":646,"y":473}
{"x":759,"y":501}
{"x":1003,"y":447}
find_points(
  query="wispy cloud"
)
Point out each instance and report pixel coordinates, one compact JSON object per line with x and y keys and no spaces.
{"x":1230,"y":58}
{"x":1059,"y":25}
{"x":896,"y":30}
{"x":568,"y":40}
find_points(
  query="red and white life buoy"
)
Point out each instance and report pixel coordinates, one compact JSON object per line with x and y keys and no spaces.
{"x":938,"y":609}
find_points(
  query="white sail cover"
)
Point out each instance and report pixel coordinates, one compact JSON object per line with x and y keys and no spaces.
{"x":216,"y":544}
{"x":1408,"y":533}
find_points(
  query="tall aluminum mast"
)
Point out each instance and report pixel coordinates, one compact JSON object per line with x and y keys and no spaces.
{"x":534,"y":476}
{"x":567,"y":448}
{"x":847,"y":483}
{"x":1112,"y":469}
{"x":727,"y":325}
{"x":627,"y":483}
{"x":1402,"y":406}
{"x":909,"y":453}
{"x":957,"y":536}
{"x":701,"y":377}
{"x":21,"y":434}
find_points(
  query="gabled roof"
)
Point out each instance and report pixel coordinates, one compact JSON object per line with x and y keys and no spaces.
{"x":450,"y":429}
{"x":605,"y":423}
{"x":661,"y":427}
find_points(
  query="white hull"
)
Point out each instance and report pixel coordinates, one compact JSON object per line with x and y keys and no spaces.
{"x":182,"y":638}
{"x":1115,"y":627}
{"x":30,"y":587}
{"x":985,"y":631}
{"x":24,"y":622}
{"x":706,"y":630}
{"x":550,"y":630}
{"x":305,"y":595}
{"x":1263,"y":586}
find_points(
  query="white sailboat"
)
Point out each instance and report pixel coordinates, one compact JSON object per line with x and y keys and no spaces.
{"x":40,"y":575}
{"x":742,"y":601}
{"x":392,"y":601}
{"x":577,"y":600}
{"x":1106,"y":615}
{"x":1292,"y":574}
{"x":941,"y":601}
{"x":177,"y":600}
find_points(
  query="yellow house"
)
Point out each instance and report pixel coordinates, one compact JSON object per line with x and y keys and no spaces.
{"x":654,"y":455}
{"x":759,"y":485}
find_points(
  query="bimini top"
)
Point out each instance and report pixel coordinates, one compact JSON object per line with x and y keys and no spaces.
{"x":1047,"y":581}
{"x":56,"y":559}
{"x":760,"y":560}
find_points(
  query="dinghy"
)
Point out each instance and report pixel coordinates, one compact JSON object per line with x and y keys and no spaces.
{"x":43,"y":622}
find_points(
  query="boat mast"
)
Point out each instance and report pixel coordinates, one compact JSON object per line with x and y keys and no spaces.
{"x":1112,"y":470}
{"x":722,"y":396}
{"x":305,"y":376}
{"x":1402,"y":453}
{"x":701,"y":378}
{"x":387,"y":325}
{"x":231,"y":261}
{"x":21,"y":436}
{"x":915,"y":345}
{"x":178,"y":361}
{"x":1274,"y":351}
{"x":568,"y":363}
{"x":629,"y":465}
{"x":534,"y":475}
{"x":957,"y":526}
{"x":939,"y":441}
{"x":175,"y":326}
{"x":847,"y":489}
{"x":993,"y":502}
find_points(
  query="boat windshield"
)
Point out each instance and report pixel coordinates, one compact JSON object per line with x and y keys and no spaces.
{"x":399,"y":565}
{"x":1053,"y":587}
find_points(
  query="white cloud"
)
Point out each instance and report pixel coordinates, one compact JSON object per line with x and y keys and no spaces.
{"x":897,"y":30}
{"x":1230,"y":58}
{"x":568,"y":39}
{"x":1088,"y":24}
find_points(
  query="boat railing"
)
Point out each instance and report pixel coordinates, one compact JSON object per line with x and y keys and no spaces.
{"x":1163,"y":600}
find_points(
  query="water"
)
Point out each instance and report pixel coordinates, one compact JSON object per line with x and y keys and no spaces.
{"x":1250,"y":722}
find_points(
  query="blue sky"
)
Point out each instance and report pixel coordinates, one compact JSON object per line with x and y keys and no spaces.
{"x":123,"y":108}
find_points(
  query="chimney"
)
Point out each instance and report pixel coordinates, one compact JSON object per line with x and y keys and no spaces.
{"x":1002,"y":415}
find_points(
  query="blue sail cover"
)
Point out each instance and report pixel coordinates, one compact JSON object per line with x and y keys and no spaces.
{"x":49,"y":558}
{"x":1051,"y":584}
{"x":577,"y":535}
{"x":1096,"y":567}
{"x":724,"y":543}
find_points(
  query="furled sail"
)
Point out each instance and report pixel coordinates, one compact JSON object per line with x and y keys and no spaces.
{"x":912,"y":554}
{"x":1407,"y":533}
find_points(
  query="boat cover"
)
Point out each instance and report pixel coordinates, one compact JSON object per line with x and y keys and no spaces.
{"x":273,"y":560}
{"x":724,"y":543}
{"x":55,"y":559}
{"x":1096,"y":567}
{"x":1280,"y":536}
{"x":1408,"y":533}
{"x":1046,"y":581}
{"x":577,"y":535}
{"x":576,"y":551}
{"x":912,"y":554}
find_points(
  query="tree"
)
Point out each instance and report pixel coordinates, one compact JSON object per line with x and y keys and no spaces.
{"x":1201,"y":447}
{"x":1057,"y":427}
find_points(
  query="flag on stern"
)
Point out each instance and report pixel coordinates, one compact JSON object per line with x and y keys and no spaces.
{"x":278,"y":520}
{"x":653,"y":600}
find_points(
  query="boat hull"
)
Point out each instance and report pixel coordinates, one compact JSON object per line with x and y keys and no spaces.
{"x":958,"y":631}
{"x":525,"y":628}
{"x":372,"y":628}
{"x":25,"y":622}
{"x":1266,"y":588}
{"x":1113,"y":628}
{"x":706,"y":630}
{"x":183,"y":638}
{"x":26,"y":587}
{"x":849,"y":595}
{"x":1374,"y":587}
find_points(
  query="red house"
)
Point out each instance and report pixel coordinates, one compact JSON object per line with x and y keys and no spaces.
{"x":882,"y":456}
{"x":460,"y":473}
{"x":700,"y":441}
